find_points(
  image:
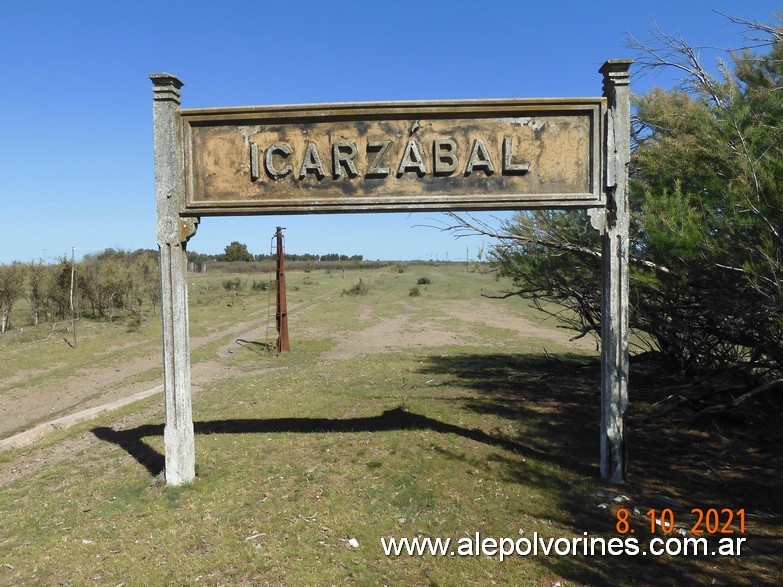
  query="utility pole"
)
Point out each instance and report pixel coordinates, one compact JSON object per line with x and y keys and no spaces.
{"x":73,"y":307}
{"x":282,"y":306}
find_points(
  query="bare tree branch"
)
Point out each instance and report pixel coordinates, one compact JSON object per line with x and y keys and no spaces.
{"x":473,"y":227}
{"x":669,"y":51}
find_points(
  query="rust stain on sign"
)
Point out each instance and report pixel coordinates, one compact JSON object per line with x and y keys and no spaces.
{"x":395,"y":156}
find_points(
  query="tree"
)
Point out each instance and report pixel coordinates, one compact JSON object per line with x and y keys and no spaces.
{"x":105,"y":280}
{"x":707,"y":215}
{"x":145,"y":280}
{"x":11,"y":289}
{"x":36,"y":294}
{"x":708,"y":188}
{"x":58,"y":288}
{"x":237,"y":251}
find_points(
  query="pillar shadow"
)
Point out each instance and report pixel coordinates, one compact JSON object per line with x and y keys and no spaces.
{"x":131,"y":440}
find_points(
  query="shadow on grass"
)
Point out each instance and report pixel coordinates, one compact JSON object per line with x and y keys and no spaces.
{"x":556,"y":402}
{"x":132,"y":440}
{"x":259,"y":348}
{"x":553,"y":406}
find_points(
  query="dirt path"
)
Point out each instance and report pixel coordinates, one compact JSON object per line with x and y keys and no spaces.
{"x":72,"y":399}
{"x":96,"y":390}
{"x":93,"y":387}
{"x":406,"y":331}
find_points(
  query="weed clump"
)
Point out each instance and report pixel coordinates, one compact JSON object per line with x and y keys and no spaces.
{"x":232,"y":284}
{"x":414,"y":292}
{"x":358,"y":289}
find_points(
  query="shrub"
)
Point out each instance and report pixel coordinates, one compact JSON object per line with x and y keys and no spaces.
{"x":424,"y":281}
{"x":358,"y":289}
{"x":414,"y":292}
{"x":232,"y":284}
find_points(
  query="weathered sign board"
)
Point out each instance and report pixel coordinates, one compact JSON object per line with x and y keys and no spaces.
{"x":396,"y":156}
{"x":466,"y":155}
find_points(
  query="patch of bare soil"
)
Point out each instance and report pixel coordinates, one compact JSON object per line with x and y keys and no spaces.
{"x":91,"y":387}
{"x":400,"y":331}
{"x":59,"y":405}
{"x":405,"y":331}
{"x":490,"y":313}
{"x":94,"y":387}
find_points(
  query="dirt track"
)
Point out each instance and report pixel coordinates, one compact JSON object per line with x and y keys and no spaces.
{"x":82,"y":397}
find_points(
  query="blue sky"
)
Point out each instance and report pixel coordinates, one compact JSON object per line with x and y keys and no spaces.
{"x":76,"y":161}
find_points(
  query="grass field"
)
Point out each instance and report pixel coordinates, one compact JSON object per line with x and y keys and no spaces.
{"x":443,"y":414}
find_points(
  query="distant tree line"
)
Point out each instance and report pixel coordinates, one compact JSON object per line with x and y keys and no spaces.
{"x":238,"y":252}
{"x":105,"y":284}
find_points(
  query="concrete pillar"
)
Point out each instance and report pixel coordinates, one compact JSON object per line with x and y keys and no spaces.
{"x":173,"y":233}
{"x":614,"y":305}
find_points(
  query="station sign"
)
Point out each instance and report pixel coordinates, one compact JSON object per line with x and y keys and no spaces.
{"x":393,"y":156}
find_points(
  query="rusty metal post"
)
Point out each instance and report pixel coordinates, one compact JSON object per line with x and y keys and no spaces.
{"x":282,"y":306}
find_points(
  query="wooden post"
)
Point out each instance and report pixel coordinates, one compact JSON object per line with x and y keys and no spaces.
{"x":173,"y":233}
{"x":614,"y":304}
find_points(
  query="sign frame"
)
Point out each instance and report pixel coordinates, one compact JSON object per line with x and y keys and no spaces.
{"x":178,"y":216}
{"x":234,"y":125}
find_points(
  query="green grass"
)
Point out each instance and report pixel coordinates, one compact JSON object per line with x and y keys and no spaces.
{"x":326,"y":456}
{"x":296,"y":455}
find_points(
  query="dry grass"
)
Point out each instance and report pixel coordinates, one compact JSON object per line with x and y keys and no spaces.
{"x":296,"y":455}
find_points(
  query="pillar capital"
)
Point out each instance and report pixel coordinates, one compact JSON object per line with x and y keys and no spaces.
{"x":616,"y":72}
{"x":166,"y":87}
